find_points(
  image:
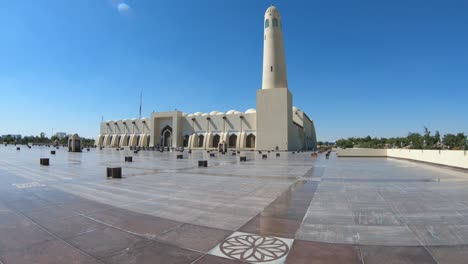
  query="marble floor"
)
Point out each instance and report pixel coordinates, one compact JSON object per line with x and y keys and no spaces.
{"x":286,"y":209}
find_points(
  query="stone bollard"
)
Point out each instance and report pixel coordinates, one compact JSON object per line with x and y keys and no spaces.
{"x":264,"y":156}
{"x":114,"y":172}
{"x":203,"y":163}
{"x":243,"y":159}
{"x":52,"y":152}
{"x":128,"y":159}
{"x":180,"y":156}
{"x":44,"y":161}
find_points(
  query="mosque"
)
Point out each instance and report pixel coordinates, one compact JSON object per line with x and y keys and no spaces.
{"x":275,"y":124}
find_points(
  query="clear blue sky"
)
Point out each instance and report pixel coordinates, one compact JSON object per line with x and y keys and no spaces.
{"x":357,"y":68}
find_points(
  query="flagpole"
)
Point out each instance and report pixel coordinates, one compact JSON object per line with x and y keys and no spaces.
{"x":141,"y":93}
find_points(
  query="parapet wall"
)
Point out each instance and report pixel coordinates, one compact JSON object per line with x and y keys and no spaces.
{"x":452,"y":158}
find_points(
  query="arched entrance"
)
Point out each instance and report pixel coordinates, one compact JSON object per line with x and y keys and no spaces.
{"x":166,"y":137}
{"x":216,"y":140}
{"x":201,"y":138}
{"x":251,"y":141}
{"x":232,"y":140}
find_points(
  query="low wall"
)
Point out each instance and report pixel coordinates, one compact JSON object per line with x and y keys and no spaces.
{"x":452,"y":158}
{"x":361,"y":152}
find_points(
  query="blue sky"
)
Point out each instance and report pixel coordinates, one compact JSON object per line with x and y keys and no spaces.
{"x":357,"y":68}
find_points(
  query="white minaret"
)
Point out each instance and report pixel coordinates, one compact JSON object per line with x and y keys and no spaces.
{"x":274,"y":61}
{"x":274,"y":101}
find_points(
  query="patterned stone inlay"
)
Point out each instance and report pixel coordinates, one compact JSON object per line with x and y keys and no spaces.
{"x":254,"y":248}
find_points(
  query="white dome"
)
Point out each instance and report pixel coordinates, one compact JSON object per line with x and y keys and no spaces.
{"x":134,"y":119}
{"x":214,"y":112}
{"x":191,"y":115}
{"x":109,"y":121}
{"x":198,"y":114}
{"x":296,"y":109}
{"x":251,"y":110}
{"x":232,"y":111}
{"x":184,"y":114}
{"x":220,"y":113}
{"x":205,"y":114}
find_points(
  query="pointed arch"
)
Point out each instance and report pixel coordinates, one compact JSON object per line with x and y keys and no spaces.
{"x":275,"y":22}
{"x":216,"y":140}
{"x":200,"y":140}
{"x":250,"y":141}
{"x":232,"y":141}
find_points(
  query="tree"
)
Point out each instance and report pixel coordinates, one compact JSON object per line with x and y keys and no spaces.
{"x":450,"y":140}
{"x":437,"y":137}
{"x":416,"y":140}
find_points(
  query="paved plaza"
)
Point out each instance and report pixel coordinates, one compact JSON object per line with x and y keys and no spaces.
{"x":286,"y":209}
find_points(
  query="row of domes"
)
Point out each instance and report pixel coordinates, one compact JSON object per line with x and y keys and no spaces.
{"x":230,"y":112}
{"x":212,"y":113}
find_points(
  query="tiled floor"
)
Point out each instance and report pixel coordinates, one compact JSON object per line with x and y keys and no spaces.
{"x":291,"y":209}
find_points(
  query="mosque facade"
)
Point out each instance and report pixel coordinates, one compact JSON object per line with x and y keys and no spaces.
{"x":275,"y":124}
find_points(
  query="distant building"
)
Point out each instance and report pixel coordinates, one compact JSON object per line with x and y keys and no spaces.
{"x":15,"y":137}
{"x":61,"y":135}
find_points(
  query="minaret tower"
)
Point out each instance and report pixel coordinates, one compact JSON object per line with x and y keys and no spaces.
{"x":274,"y":61}
{"x":274,"y":101}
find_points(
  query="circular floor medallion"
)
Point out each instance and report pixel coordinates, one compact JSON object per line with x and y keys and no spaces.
{"x":254,"y":248}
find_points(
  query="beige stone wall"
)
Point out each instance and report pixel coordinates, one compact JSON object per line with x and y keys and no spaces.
{"x":453,"y":158}
{"x":274,"y":119}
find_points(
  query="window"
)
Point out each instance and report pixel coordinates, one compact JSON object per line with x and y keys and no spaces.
{"x":275,"y":22}
{"x":267,"y":23}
